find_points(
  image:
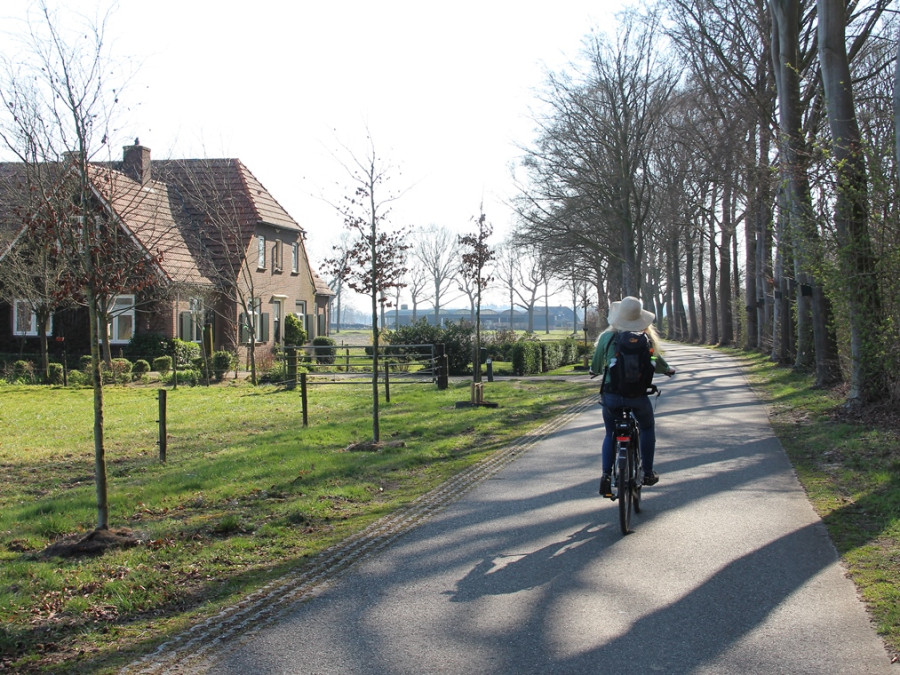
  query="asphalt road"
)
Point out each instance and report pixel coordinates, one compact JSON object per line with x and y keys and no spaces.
{"x":728,"y":569}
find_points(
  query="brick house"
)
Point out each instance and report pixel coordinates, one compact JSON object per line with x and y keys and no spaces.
{"x":227,"y":254}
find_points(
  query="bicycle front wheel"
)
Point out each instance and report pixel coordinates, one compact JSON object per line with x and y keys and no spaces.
{"x":626,"y":490}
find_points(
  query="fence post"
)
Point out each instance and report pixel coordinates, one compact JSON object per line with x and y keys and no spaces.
{"x":291,"y":367}
{"x":441,"y":366}
{"x":387,"y":380}
{"x":303,"y":399}
{"x":162,"y":425}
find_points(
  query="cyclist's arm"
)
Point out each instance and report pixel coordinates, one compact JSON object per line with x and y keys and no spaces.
{"x":662,"y":367}
{"x":598,"y":362}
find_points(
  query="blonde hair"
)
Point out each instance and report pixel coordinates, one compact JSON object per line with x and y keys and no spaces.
{"x":651,"y":332}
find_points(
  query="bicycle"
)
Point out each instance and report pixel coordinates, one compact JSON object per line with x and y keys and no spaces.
{"x":628,"y":474}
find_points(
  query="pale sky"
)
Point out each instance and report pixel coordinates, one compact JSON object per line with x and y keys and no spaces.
{"x":445,"y":90}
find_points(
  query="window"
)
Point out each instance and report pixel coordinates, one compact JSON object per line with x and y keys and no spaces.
{"x":300,"y":313}
{"x":261,"y":251}
{"x":25,"y":321}
{"x":121,"y":319}
{"x":295,"y":258}
{"x":277,"y":255}
{"x":276,"y":320}
{"x":190,"y":323}
{"x":257,"y":320}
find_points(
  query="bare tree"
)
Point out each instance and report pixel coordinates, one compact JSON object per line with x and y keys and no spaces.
{"x":336,"y":283}
{"x":476,"y":260}
{"x":522,"y":272}
{"x":417,"y":282}
{"x":437,"y":249}
{"x":375,"y":264}
{"x":58,"y":109}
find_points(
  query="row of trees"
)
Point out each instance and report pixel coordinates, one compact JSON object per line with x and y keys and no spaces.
{"x":435,"y":277}
{"x":733,"y":163}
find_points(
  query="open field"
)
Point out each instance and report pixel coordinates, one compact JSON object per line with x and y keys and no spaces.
{"x":247,"y":494}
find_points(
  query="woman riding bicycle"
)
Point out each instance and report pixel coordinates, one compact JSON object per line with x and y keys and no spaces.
{"x":627,"y":315}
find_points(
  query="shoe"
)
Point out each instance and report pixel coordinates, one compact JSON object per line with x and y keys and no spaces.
{"x":605,"y":486}
{"x":651,"y":478}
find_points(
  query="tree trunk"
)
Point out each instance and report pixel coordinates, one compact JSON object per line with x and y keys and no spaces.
{"x":100,"y":480}
{"x":726,"y":327}
{"x":812,"y":316}
{"x":701,"y":293}
{"x":693,"y":334}
{"x":713,"y":275}
{"x":856,"y":259}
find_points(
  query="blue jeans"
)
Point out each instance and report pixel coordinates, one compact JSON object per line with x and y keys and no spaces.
{"x":643,"y":412}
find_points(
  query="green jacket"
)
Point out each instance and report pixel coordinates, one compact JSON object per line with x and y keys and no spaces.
{"x":602,"y":354}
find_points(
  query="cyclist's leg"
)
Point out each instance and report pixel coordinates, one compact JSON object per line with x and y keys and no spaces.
{"x":610,"y":403}
{"x":643,"y":412}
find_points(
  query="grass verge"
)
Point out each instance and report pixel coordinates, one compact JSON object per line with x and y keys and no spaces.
{"x":247,"y":494}
{"x":849,"y":464}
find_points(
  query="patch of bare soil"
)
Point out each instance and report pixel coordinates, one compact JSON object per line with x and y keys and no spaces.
{"x":877,"y":415}
{"x":94,"y":543}
{"x":370,"y":446}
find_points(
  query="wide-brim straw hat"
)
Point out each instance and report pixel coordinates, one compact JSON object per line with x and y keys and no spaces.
{"x":629,"y":314}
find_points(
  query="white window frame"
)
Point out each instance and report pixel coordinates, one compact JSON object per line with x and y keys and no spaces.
{"x":260,"y":252}
{"x":254,"y":318}
{"x":117,"y":317}
{"x":295,"y":258}
{"x":277,"y":255}
{"x":197,"y":310}
{"x":20,"y":307}
{"x":278,"y":320}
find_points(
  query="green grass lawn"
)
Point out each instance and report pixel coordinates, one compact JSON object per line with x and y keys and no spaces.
{"x":247,"y":494}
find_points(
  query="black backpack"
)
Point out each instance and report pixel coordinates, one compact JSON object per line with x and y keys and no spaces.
{"x":631,"y":368}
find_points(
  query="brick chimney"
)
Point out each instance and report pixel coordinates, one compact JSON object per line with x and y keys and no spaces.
{"x":136,"y":162}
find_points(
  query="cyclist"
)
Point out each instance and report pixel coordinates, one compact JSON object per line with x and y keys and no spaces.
{"x":627,"y":315}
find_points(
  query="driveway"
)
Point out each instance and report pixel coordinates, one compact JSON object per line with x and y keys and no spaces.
{"x":519,"y":567}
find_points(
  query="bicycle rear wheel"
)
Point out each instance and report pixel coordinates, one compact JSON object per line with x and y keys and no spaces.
{"x":638,"y":476}
{"x":626,"y":490}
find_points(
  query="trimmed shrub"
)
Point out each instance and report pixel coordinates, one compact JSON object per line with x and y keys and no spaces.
{"x":526,"y":357}
{"x":55,"y":373}
{"x":23,"y":370}
{"x":19,"y":372}
{"x":294,"y":332}
{"x":78,"y":378}
{"x":459,"y":340}
{"x":84,"y":363}
{"x":140,"y":367}
{"x":324,"y":349}
{"x":185,"y":353}
{"x":162,"y":365}
{"x":121,"y":366}
{"x":147,"y":346}
{"x":191,"y":377}
{"x":119,"y":371}
{"x":222,"y":362}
